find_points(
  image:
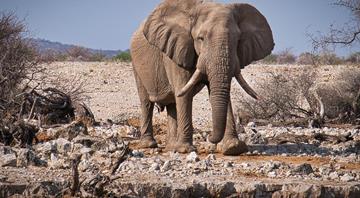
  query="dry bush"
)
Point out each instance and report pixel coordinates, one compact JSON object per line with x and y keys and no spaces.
{"x":73,"y":87}
{"x":23,"y":93}
{"x":346,"y":35}
{"x":286,"y":57}
{"x":78,"y":53}
{"x":306,"y":58}
{"x":283,"y":97}
{"x":286,"y":98}
{"x":49,"y":56}
{"x":341,"y":97}
{"x":354,"y":58}
{"x":329,"y":58}
{"x":350,"y":105}
{"x":18,"y":60}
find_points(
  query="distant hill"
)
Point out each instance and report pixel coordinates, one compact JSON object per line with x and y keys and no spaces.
{"x":46,"y":45}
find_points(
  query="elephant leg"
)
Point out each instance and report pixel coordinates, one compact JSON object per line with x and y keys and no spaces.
{"x":184,"y":143}
{"x":172,"y":127}
{"x":147,"y":139}
{"x":231,"y":145}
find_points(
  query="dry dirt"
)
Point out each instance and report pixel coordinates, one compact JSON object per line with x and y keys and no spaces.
{"x":262,"y":172}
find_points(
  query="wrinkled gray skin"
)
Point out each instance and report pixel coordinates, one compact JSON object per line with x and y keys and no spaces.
{"x":185,"y":45}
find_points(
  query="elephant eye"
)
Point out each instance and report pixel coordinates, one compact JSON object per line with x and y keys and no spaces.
{"x":200,"y":38}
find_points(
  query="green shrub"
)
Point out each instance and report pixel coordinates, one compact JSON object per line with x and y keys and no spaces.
{"x":123,"y":56}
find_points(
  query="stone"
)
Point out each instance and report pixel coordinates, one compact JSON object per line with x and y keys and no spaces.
{"x":85,"y":140}
{"x":211,"y":157}
{"x":84,"y":165}
{"x":4,"y":150}
{"x":166,"y":166}
{"x":58,"y":163}
{"x":334,"y":176}
{"x":154,"y":167}
{"x":174,"y":156}
{"x":251,"y":124}
{"x":228,"y":164}
{"x":138,"y":154}
{"x":26,"y":157}
{"x":45,"y":148}
{"x":272,"y":174}
{"x":192,"y":157}
{"x":74,"y":129}
{"x":304,"y":169}
{"x":86,"y":152}
{"x":347,"y":178}
{"x":8,"y":160}
{"x":76,"y":147}
{"x":62,"y":145}
{"x":3,"y":178}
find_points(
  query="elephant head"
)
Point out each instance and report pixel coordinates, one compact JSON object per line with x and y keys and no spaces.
{"x":214,"y":40}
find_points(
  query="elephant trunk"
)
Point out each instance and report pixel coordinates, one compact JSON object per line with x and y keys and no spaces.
{"x":219,"y":99}
{"x":220,"y":80}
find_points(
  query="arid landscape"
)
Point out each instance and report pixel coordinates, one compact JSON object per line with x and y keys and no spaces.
{"x":180,"y":98}
{"x":281,"y":161}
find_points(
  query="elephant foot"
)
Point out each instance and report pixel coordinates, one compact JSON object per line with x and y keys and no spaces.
{"x":180,"y":147}
{"x":232,"y":146}
{"x":148,"y":142}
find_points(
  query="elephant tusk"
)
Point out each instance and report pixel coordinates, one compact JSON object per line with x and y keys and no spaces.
{"x":195,"y":78}
{"x":246,"y":86}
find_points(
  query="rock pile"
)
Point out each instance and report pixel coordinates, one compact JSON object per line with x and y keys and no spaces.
{"x":280,"y":160}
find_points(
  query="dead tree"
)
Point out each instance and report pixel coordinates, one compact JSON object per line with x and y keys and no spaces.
{"x":347,"y":35}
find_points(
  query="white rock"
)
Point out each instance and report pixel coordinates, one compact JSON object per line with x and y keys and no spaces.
{"x":174,"y":156}
{"x":192,"y":157}
{"x":347,"y":178}
{"x":272,"y":174}
{"x":166,"y":166}
{"x":154,"y":167}
{"x":334,"y":176}
{"x":8,"y":160}
{"x":251,"y":125}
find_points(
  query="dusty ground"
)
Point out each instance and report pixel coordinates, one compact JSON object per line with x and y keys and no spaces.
{"x":282,"y":161}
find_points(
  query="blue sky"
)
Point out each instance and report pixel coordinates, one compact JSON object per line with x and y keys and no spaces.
{"x":108,"y":24}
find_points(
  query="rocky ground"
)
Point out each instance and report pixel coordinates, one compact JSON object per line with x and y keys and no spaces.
{"x":281,"y":162}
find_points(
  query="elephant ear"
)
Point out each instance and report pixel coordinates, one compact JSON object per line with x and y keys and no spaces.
{"x":256,"y":39}
{"x":168,"y":28}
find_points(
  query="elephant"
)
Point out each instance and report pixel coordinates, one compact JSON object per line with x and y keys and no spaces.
{"x":185,"y":45}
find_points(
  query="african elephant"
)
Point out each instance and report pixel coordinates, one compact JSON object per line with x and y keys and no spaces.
{"x":185,"y":45}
